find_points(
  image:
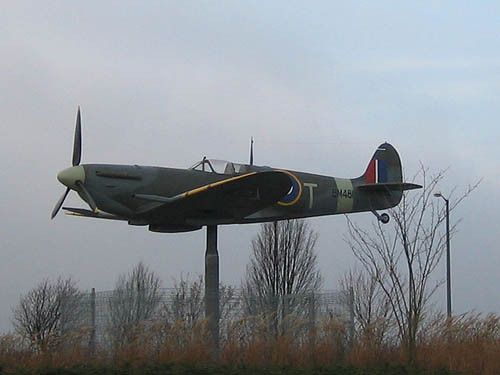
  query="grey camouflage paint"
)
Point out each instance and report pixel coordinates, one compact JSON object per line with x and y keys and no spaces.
{"x":114,"y":189}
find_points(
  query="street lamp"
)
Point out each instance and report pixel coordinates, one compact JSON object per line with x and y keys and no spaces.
{"x":448,"y":272}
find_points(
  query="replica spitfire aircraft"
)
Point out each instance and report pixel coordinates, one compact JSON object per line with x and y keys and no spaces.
{"x":214,"y":192}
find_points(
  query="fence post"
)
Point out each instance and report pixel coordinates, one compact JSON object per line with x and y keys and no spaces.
{"x":312,"y":321}
{"x":351,"y":317}
{"x":92,"y":323}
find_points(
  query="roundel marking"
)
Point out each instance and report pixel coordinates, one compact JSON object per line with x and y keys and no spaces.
{"x":295,"y":191}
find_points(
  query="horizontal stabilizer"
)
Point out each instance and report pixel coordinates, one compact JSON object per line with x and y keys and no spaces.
{"x":391,"y":186}
{"x":87,"y":213}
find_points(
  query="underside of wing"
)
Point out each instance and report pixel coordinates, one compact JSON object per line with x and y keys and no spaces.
{"x":87,"y":213}
{"x":234,"y":197}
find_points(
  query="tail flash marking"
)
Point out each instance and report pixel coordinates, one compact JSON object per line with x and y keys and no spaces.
{"x":376,"y":172}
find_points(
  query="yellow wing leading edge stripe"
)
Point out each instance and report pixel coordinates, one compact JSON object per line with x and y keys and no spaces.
{"x":215,"y":184}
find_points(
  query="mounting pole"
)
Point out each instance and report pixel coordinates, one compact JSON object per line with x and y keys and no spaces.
{"x":212,"y":313}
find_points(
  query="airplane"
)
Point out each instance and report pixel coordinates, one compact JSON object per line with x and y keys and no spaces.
{"x":216,"y":192}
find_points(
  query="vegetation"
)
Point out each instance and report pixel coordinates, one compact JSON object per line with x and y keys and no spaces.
{"x":46,"y":311}
{"x":273,"y":328}
{"x":399,"y":260}
{"x":135,"y":300}
{"x":469,"y":344}
{"x":195,"y":369}
{"x":282,"y":270}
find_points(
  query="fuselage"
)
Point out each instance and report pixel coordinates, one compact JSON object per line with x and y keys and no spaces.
{"x":115,"y":187}
{"x":214,"y":192}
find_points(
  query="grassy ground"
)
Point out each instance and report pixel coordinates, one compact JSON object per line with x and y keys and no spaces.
{"x":185,"y":369}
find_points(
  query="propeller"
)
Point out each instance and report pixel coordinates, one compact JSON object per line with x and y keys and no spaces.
{"x":77,"y":142}
{"x":74,"y":177}
{"x":86,"y":195}
{"x":59,"y":204}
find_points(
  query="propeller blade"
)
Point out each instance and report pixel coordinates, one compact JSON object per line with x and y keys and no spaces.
{"x":77,"y":144}
{"x":59,"y":204}
{"x":87,"y":196}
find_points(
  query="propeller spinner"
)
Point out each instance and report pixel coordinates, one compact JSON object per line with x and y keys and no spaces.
{"x":74,"y":177}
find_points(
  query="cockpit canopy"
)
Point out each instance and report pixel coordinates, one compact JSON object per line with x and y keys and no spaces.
{"x":220,"y":166}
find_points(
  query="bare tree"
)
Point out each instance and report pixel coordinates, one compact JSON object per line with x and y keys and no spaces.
{"x":185,"y":308}
{"x":134,"y":301}
{"x":370,"y":307}
{"x":186,"y":304}
{"x":402,"y":257}
{"x":282,"y":273}
{"x":46,"y":311}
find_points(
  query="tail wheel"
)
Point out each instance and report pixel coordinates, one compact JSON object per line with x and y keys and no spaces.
{"x":384,"y":218}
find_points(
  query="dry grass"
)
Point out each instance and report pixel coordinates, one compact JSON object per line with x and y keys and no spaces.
{"x":469,"y":344}
{"x":72,"y":349}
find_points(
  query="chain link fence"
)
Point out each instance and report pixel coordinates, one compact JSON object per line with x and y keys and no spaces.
{"x":301,"y":314}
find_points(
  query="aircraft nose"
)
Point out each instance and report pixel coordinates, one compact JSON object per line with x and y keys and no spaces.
{"x":69,"y":176}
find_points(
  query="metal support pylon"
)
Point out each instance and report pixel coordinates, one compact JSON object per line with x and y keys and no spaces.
{"x":212,"y":313}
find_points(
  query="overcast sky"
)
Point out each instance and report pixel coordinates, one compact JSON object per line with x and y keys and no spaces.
{"x":319,"y":85}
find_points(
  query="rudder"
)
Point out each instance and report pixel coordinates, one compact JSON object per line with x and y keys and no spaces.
{"x":384,"y":167}
{"x":382,"y":183}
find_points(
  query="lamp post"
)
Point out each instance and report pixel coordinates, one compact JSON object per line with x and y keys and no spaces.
{"x":448,"y":271}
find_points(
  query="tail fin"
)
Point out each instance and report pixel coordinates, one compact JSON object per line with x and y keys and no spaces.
{"x":384,"y":174}
{"x":384,"y":167}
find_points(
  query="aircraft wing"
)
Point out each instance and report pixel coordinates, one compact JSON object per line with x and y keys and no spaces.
{"x":235,"y":197}
{"x":87,"y":213}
